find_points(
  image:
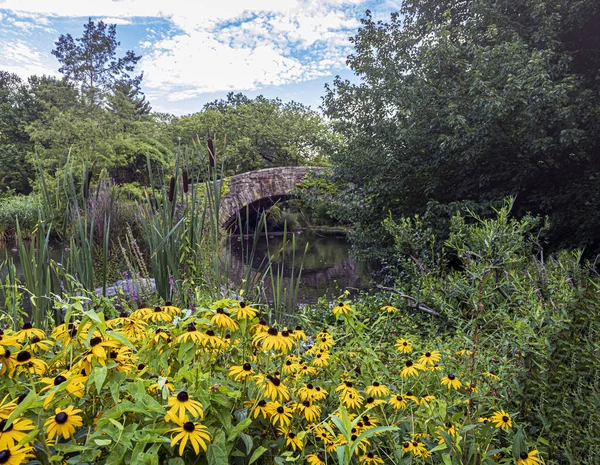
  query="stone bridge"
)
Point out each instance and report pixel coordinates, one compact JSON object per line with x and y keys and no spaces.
{"x":260,"y":189}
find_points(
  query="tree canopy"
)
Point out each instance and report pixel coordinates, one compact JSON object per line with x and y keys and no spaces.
{"x":473,"y":101}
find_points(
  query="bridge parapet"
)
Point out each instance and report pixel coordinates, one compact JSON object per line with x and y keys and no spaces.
{"x":260,"y":188}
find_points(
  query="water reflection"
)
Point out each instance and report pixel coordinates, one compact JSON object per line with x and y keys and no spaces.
{"x":328,"y":267}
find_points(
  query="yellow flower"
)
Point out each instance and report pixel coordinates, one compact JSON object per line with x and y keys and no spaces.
{"x":244,"y":311}
{"x":425,"y":399}
{"x":28,"y":332}
{"x":312,"y":412}
{"x":345,"y":387}
{"x":275,"y":389}
{"x":272,"y":339}
{"x":10,"y":437}
{"x":501,"y":419}
{"x":259,"y":327}
{"x":451,"y":381}
{"x":490,"y":375}
{"x":342,"y":308}
{"x":211,"y":340}
{"x":370,"y":457}
{"x":371,"y":402}
{"x":389,"y":309}
{"x":411,"y":369}
{"x":63,"y":423}
{"x":73,"y":384}
{"x":170,"y":309}
{"x":352,"y":399}
{"x":315,"y":459}
{"x":529,"y":458}
{"x":180,"y":404}
{"x":377,"y":390}
{"x":282,"y":415}
{"x":158,"y":315}
{"x":25,"y":362}
{"x":241,"y":372}
{"x":191,"y":334}
{"x":398,"y":402}
{"x":15,"y":455}
{"x":403,"y":346}
{"x":38,"y":345}
{"x":430,"y":358}
{"x":299,"y":333}
{"x":262,"y":408}
{"x":196,"y":433}
{"x":291,"y":439}
{"x":222,"y":320}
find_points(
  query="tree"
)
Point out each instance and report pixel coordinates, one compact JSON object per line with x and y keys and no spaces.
{"x":257,"y":133}
{"x":472,"y":101}
{"x":91,"y":61}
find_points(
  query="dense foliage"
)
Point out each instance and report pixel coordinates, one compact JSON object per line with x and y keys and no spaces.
{"x":472,"y":101}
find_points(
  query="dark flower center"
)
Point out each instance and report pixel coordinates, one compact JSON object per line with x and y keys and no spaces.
{"x":61,"y":418}
{"x":399,"y":398}
{"x":35,"y":340}
{"x":247,"y":367}
{"x":183,"y":396}
{"x":210,"y":333}
{"x":348,"y":384}
{"x":370,"y":455}
{"x":285,"y":333}
{"x":341,"y":304}
{"x":191,"y":327}
{"x":451,"y":377}
{"x":354,"y":437}
{"x":59,"y":380}
{"x":427,"y":354}
{"x":370,"y":400}
{"x":279,"y":409}
{"x":27,"y":325}
{"x":157,"y":309}
{"x":360,"y":424}
{"x":376,"y":384}
{"x":406,"y":445}
{"x":189,"y":426}
{"x":505,"y":419}
{"x":168,"y":304}
{"x":409,"y":363}
{"x":409,"y":393}
{"x":262,"y":322}
{"x":524,"y":455}
{"x":448,"y":425}
{"x":415,"y":444}
{"x":262,"y":403}
{"x":309,"y":386}
{"x":275,"y":381}
{"x":306,"y":403}
{"x":298,"y":328}
{"x":141,"y":366}
{"x":114,"y":354}
{"x":95,"y":341}
{"x":220,"y":311}
{"x":291,"y":435}
{"x":4,"y":456}
{"x":273,"y":331}
{"x":3,"y":428}
{"x":23,"y":357}
{"x":317,"y":389}
{"x":324,"y":339}
{"x":242,"y":304}
{"x":123,"y":315}
{"x":288,"y":363}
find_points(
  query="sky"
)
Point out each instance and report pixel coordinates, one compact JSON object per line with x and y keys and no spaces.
{"x":194,"y":52}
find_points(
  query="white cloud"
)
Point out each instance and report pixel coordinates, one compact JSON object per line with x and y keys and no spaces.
{"x":19,"y":58}
{"x":223,"y":45}
{"x":117,"y":21}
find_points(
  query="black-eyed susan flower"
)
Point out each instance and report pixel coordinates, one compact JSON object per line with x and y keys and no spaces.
{"x":158,"y":315}
{"x":352,"y":400}
{"x":310,"y":410}
{"x":281,"y":415}
{"x":370,"y":457}
{"x":72,"y":383}
{"x":464,"y":352}
{"x":99,"y":350}
{"x":490,"y":375}
{"x":259,"y":327}
{"x":162,"y":385}
{"x":291,"y":439}
{"x":345,"y":387}
{"x":262,"y":408}
{"x":181,"y":404}
{"x":389,"y":309}
{"x":342,"y":308}
{"x":211,"y":340}
{"x":132,"y":328}
{"x":501,"y":419}
{"x":404,"y":346}
{"x":315,"y":459}
{"x":377,"y":390}
{"x":430,"y":358}
{"x":196,"y":433}
{"x":272,"y":339}
{"x":24,"y":361}
{"x":15,"y":455}
{"x":191,"y":334}
{"x":420,"y":450}
{"x":425,"y":399}
{"x":7,"y":362}
{"x":291,"y":365}
{"x":7,"y":407}
{"x":449,"y":428}
{"x":298,"y":333}
{"x":275,"y":389}
{"x":411,"y":369}
{"x":407,"y":447}
{"x":222,"y":320}
{"x":398,"y":402}
{"x":171,"y":309}
{"x":323,"y":435}
{"x":410,"y":396}
{"x":244,"y":311}
{"x":372,"y":402}
{"x":321,"y":359}
{"x":324,"y":340}
{"x":451,"y":381}
{"x":529,"y":458}
{"x":63,"y":423}
{"x":27,"y":332}
{"x":241,"y":372}
{"x":10,"y":436}
{"x":37,"y":345}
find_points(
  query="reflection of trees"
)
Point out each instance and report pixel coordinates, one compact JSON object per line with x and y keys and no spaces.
{"x":327,"y":265}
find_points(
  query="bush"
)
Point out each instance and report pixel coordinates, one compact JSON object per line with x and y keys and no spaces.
{"x":24,"y":209}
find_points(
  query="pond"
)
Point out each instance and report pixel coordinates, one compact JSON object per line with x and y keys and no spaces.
{"x":327,"y":267}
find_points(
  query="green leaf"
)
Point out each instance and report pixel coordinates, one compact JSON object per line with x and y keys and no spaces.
{"x":519,"y":444}
{"x":248,"y":442}
{"x":260,"y":450}
{"x":439,"y":447}
{"x":99,"y":376}
{"x":216,"y":455}
{"x":122,"y":339}
{"x":241,"y":426}
{"x":22,"y":407}
{"x":102,"y":442}
{"x":446,"y":458}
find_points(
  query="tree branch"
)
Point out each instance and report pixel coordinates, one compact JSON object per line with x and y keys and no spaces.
{"x":412,"y":301}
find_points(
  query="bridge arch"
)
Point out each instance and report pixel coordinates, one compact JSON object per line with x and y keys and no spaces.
{"x":260,"y":189}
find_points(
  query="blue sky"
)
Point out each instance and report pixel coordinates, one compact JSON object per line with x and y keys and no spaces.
{"x":198,"y":51}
